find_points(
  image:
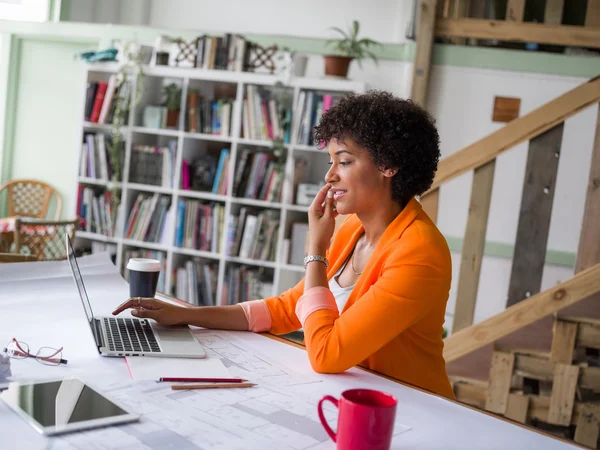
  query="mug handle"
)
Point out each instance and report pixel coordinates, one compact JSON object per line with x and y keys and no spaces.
{"x":333,"y":400}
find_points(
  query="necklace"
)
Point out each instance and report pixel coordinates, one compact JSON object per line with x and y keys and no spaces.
{"x":352,"y":264}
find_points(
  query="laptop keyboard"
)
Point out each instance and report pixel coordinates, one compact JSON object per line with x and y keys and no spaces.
{"x":130,"y":335}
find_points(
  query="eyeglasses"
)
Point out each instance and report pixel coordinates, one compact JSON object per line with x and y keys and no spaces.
{"x":45,"y":355}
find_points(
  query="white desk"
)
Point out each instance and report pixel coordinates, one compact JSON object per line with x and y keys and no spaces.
{"x":49,"y":313}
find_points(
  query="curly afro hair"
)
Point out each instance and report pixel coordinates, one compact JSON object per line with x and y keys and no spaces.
{"x":397,"y":133}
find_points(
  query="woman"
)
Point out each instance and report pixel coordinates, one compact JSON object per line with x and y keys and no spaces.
{"x":377,"y":295}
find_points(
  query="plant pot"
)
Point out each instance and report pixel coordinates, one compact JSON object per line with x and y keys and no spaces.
{"x":337,"y":65}
{"x":172,"y":118}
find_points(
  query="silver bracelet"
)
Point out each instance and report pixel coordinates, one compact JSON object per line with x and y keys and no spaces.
{"x":320,"y":258}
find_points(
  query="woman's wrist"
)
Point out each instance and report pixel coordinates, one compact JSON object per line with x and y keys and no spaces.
{"x":320,"y":250}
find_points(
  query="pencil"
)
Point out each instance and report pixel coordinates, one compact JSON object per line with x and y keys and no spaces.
{"x":203,"y":380}
{"x":177,"y":387}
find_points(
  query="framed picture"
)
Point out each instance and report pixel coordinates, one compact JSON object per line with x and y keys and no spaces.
{"x":25,"y":10}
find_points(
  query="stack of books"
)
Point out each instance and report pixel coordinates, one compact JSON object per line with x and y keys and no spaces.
{"x":96,"y":161}
{"x":148,"y":218}
{"x":258,"y":175}
{"x":153,"y":165}
{"x":265,"y":118}
{"x":101,"y":99}
{"x":242,"y":284}
{"x":98,"y":211}
{"x":252,"y":235}
{"x":199,"y":225}
{"x":208,"y":116}
{"x":196,"y":282}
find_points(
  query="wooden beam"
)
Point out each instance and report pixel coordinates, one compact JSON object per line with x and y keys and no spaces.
{"x":518,"y":406}
{"x":461,"y":10}
{"x":430,"y":204}
{"x":515,"y":10}
{"x":563,"y":342}
{"x":587,"y":428}
{"x":516,"y":131}
{"x":588,"y":252}
{"x":554,"y":12}
{"x":534,"y":218}
{"x":474,"y":243}
{"x":592,"y":14}
{"x":538,"y":306}
{"x":562,"y":400}
{"x":500,"y":377}
{"x":425,"y":28}
{"x":501,"y":30}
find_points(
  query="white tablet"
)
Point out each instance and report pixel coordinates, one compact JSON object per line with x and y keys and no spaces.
{"x":54,"y":407}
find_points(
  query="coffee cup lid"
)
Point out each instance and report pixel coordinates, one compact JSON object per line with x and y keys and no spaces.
{"x":144,"y":265}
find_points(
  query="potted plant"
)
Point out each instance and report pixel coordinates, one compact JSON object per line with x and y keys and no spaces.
{"x":172,"y":94}
{"x":347,"y":48}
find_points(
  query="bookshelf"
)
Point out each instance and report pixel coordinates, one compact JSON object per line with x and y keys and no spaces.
{"x":166,"y":177}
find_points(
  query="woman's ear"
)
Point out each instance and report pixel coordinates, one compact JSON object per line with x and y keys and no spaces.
{"x":388,"y":172}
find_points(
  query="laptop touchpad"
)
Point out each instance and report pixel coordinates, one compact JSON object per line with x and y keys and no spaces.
{"x":173,"y":334}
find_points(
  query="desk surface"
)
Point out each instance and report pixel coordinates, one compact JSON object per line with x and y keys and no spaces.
{"x":42,"y":307}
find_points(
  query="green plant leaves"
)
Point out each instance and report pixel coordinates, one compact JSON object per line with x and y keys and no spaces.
{"x":351,"y":46}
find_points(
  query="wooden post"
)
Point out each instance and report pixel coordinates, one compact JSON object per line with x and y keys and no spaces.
{"x":425,"y":29}
{"x":472,"y":251}
{"x":564,"y":387}
{"x":518,"y":405}
{"x":563,"y":341}
{"x":422,"y":64}
{"x":587,"y":428}
{"x":460,"y":11}
{"x":515,"y":10}
{"x":588,"y":252}
{"x":554,"y":12}
{"x":592,"y":14}
{"x":534,"y":218}
{"x":500,"y":378}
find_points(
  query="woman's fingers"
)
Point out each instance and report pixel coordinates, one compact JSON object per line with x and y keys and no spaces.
{"x":329,"y":204}
{"x":321,"y":195}
{"x":145,"y":313}
{"x":146,"y":303}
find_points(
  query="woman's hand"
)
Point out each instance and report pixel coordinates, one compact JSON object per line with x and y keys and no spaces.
{"x":151,"y":308}
{"x":321,"y":221}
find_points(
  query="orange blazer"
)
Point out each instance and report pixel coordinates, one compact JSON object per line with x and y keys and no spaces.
{"x":393,"y":320}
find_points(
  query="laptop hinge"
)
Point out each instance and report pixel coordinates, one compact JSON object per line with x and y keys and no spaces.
{"x":99,"y":334}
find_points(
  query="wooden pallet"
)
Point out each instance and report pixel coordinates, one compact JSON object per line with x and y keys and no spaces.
{"x":559,"y":389}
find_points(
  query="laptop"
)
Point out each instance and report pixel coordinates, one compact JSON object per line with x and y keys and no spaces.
{"x":125,"y":336}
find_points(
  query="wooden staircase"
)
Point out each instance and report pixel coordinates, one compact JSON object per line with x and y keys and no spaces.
{"x":534,"y":362}
{"x":557,"y":390}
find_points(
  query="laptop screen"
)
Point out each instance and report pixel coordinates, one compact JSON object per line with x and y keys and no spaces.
{"x":85,"y":301}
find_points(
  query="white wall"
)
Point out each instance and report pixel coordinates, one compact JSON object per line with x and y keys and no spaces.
{"x":382,"y":20}
{"x":49,"y":103}
{"x":461,"y":99}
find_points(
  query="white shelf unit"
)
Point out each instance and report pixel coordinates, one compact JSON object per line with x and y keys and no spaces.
{"x":284,"y":275}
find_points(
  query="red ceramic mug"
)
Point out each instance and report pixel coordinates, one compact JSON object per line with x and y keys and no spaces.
{"x":365,"y":419}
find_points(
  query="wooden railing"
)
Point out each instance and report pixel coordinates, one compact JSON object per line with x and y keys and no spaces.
{"x":453,"y":22}
{"x":528,"y":311}
{"x":543,"y":127}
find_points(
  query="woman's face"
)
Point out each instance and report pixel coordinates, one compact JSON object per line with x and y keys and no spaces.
{"x":357,"y":184}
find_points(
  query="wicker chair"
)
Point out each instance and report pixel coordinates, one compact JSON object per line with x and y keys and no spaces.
{"x":43,"y":239}
{"x":30,"y":198}
{"x":13,"y":258}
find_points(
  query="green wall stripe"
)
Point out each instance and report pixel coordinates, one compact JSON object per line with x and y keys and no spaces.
{"x":502,"y":250}
{"x":516,"y":60}
{"x":443,"y":54}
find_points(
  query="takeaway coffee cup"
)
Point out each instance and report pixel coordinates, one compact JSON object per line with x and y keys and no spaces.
{"x":143,"y":277}
{"x":365,"y":419}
